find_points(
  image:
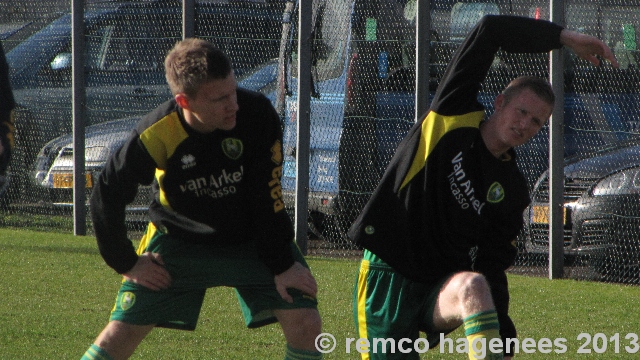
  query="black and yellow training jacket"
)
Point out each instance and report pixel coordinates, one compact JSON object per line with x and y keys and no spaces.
{"x":444,"y":193}
{"x":7,"y":104}
{"x":220,"y":188}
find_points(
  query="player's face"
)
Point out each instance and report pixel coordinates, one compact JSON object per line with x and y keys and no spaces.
{"x":521,"y":118}
{"x":215,"y":105}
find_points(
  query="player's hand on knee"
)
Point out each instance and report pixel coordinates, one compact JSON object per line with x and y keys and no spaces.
{"x":149,"y":271}
{"x":297,"y":277}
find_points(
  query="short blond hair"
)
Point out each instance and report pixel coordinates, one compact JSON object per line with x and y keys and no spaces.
{"x":540,"y":87}
{"x":193,"y":62}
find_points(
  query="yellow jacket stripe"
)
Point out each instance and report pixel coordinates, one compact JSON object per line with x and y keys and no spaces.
{"x":434,"y":127}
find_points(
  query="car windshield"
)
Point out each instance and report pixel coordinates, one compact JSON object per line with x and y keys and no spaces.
{"x":110,"y":49}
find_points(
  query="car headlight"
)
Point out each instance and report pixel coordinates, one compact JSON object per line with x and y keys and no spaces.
{"x":42,"y":164}
{"x":623,"y":183}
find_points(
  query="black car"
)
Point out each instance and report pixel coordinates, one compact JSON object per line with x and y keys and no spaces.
{"x":125,"y":43}
{"x":601,"y":213}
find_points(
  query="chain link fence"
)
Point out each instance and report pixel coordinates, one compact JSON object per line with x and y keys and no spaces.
{"x":363,"y":66}
{"x":125,"y":45}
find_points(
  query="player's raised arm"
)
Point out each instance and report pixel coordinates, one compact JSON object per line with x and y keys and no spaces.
{"x":587,"y":47}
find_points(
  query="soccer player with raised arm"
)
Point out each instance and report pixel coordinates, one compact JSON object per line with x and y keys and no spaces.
{"x":453,"y":185}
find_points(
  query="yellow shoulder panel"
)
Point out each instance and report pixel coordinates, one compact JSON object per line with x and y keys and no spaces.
{"x":163,"y":195}
{"x":434,"y":127}
{"x":162,"y":138}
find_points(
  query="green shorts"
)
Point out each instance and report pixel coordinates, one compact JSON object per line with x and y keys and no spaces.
{"x":193,"y":269}
{"x":389,"y":306}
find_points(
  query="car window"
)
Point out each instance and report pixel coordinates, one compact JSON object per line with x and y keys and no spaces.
{"x":464,"y":16}
{"x":97,"y":42}
{"x":126,"y":48}
{"x":116,"y":45}
{"x":330,"y":38}
{"x":248,"y":31}
{"x":134,"y":41}
{"x":620,"y":25}
{"x":330,"y":35}
{"x":398,"y":33}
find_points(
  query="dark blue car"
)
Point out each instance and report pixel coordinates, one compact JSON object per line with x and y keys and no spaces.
{"x":126,"y":43}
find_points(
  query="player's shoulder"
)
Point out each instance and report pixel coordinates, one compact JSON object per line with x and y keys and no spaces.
{"x":252,"y":99}
{"x":161,"y":112}
{"x":255,"y":109}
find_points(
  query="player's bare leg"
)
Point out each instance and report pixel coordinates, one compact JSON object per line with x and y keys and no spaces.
{"x":300,"y":328}
{"x":466,"y":299}
{"x":120,"y":340}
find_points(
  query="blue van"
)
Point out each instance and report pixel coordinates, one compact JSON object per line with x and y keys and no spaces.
{"x":363,"y":79}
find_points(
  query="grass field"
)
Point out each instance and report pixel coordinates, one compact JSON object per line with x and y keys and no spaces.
{"x":57,"y":292}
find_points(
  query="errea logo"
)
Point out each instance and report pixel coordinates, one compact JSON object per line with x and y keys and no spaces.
{"x":188,"y":161}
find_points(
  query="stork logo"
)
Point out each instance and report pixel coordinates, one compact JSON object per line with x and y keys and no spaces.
{"x":188,"y":161}
{"x":495,"y":193}
{"x":127,"y":299}
{"x":232,"y":147}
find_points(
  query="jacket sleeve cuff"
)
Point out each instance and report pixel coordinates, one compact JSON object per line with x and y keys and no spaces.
{"x":125,"y":264}
{"x":279,"y":264}
{"x":507,"y":331}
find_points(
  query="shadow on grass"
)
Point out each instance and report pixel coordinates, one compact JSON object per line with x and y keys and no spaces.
{"x":50,"y":249}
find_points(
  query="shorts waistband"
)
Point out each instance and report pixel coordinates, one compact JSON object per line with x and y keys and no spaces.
{"x":375,"y":265}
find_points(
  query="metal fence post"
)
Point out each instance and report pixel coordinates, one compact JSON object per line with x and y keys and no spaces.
{"x":79,"y":115}
{"x":188,"y":18}
{"x":556,"y":155}
{"x":423,"y":38}
{"x":304,"y":126}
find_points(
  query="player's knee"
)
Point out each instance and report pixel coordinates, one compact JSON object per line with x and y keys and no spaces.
{"x":473,"y":286}
{"x":302,"y":328}
{"x":311,"y":325}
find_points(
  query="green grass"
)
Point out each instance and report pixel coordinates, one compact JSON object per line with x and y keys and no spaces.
{"x":57,"y":293}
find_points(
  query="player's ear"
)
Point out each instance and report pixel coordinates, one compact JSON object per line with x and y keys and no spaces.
{"x":182,"y":100}
{"x":499,"y":101}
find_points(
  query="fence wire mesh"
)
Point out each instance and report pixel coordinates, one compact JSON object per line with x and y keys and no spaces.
{"x":363,"y":82}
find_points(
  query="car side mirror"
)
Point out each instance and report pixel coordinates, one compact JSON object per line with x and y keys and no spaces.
{"x":62,"y":61}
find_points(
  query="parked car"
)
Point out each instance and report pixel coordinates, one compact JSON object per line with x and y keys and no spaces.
{"x":125,"y":43}
{"x":601,"y":212}
{"x":362,"y":105}
{"x":53,"y":169}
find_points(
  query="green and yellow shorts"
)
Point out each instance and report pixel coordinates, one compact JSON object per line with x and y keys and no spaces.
{"x":389,"y":306}
{"x":193,"y":269}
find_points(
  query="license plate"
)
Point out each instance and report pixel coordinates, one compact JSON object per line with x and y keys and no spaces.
{"x":65,"y":181}
{"x":540,"y":214}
